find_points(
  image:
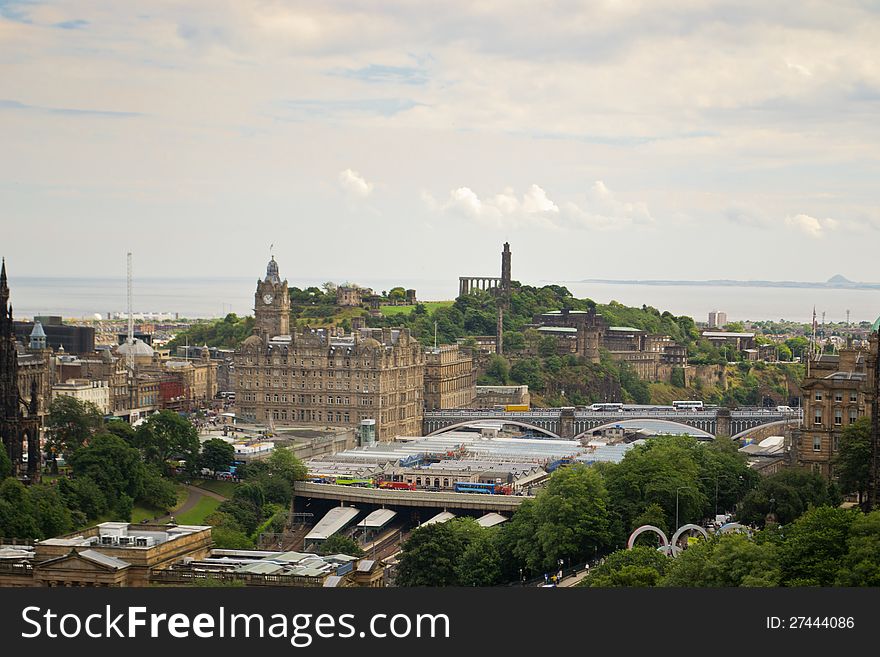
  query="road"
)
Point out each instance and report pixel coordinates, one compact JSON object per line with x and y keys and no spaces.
{"x":195,"y":494}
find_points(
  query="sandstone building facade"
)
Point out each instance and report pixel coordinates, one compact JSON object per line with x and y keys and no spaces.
{"x":320,"y":377}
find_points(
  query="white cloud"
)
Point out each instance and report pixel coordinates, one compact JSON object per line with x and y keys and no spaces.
{"x":355,"y":184}
{"x":811,"y":225}
{"x":602,"y":209}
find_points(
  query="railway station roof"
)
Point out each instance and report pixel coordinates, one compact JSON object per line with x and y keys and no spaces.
{"x":443,"y":516}
{"x":336,"y":518}
{"x":377,"y":519}
{"x":491,"y":519}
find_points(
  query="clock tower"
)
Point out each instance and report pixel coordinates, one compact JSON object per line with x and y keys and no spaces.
{"x":272,"y":304}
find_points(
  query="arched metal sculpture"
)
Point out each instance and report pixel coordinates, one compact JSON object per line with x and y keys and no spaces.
{"x":646,"y":528}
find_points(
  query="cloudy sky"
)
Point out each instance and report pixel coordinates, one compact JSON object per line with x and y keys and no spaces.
{"x":388,"y":139}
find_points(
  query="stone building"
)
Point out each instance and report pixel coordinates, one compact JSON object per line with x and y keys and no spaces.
{"x":86,"y":390}
{"x":111,"y":554}
{"x":450,"y":378}
{"x":836,"y":392}
{"x":317,"y":377}
{"x":351,"y":295}
{"x":492,"y":396}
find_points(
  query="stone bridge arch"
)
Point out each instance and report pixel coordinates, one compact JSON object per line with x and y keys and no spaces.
{"x":504,"y":420}
{"x":762,"y":431}
{"x":608,"y":425}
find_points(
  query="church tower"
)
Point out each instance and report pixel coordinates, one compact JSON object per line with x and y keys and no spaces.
{"x":19,"y":423}
{"x":272,"y":304}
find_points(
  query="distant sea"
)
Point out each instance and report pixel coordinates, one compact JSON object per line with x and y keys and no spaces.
{"x":215,"y":297}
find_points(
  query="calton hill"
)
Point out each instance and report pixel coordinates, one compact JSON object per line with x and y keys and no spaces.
{"x":532,"y":359}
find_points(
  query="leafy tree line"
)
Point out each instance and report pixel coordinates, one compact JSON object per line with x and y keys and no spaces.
{"x":825,"y":546}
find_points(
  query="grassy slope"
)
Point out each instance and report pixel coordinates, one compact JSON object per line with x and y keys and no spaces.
{"x":430,"y":306}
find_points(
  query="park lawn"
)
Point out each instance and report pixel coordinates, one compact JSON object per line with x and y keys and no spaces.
{"x":196,"y":515}
{"x":224,"y":488}
{"x":141,"y":512}
{"x":430,"y":306}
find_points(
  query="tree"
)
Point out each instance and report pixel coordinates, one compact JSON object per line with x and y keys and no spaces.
{"x":568,"y":520}
{"x":231,"y":539}
{"x":725,"y":560}
{"x":70,"y":423}
{"x":397,"y":294}
{"x":165,"y":435}
{"x":642,"y":566}
{"x":787,"y":494}
{"x":112,"y":464}
{"x":430,"y":556}
{"x":51,"y":514}
{"x":853,"y":460}
{"x":16,"y":511}
{"x":498,"y":371}
{"x":815,"y":546}
{"x":217,"y":455}
{"x":454,"y":553}
{"x":861,"y":564}
{"x":338,"y":544}
{"x":528,"y":372}
{"x":5,"y":463}
{"x":284,"y":464}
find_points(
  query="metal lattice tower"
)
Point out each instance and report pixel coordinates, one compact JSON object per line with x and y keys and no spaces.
{"x":130,"y":337}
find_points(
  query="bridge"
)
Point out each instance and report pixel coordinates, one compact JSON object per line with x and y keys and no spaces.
{"x":572,"y":423}
{"x":382,"y":497}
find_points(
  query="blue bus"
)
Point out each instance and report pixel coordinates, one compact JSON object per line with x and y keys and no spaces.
{"x":469,"y":487}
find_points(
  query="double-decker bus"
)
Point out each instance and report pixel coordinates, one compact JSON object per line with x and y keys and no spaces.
{"x":684,"y":405}
{"x":485,"y":489}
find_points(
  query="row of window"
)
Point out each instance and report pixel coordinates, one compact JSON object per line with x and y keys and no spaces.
{"x":838,"y":396}
{"x":838,"y":416}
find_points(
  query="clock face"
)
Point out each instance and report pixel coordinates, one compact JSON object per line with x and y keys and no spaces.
{"x":268,"y":298}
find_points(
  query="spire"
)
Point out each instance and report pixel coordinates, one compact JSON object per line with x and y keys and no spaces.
{"x":3,"y":285}
{"x":272,"y":271}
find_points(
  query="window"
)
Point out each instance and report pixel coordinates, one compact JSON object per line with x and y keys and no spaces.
{"x":817,"y":416}
{"x":838,"y":396}
{"x":818,"y":396}
{"x":853,"y":415}
{"x":817,"y":443}
{"x":838,"y":416}
{"x":836,"y":442}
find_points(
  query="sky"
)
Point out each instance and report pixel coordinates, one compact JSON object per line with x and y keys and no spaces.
{"x":403,"y":140}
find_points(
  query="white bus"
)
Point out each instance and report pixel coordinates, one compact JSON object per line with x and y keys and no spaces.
{"x":606,"y":407}
{"x":684,"y":405}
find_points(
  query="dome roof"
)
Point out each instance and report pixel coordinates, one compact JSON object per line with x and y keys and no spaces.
{"x":38,"y":331}
{"x":137,"y":347}
{"x":876,"y":325}
{"x":252,"y":341}
{"x":371,"y":343}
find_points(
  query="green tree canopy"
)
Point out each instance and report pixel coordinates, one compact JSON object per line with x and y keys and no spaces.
{"x":217,"y":455}
{"x":815,"y":546}
{"x":642,"y":566}
{"x":165,"y":435}
{"x":788,"y":494}
{"x":726,"y":560}
{"x":70,"y":423}
{"x":853,"y":460}
{"x":338,"y":544}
